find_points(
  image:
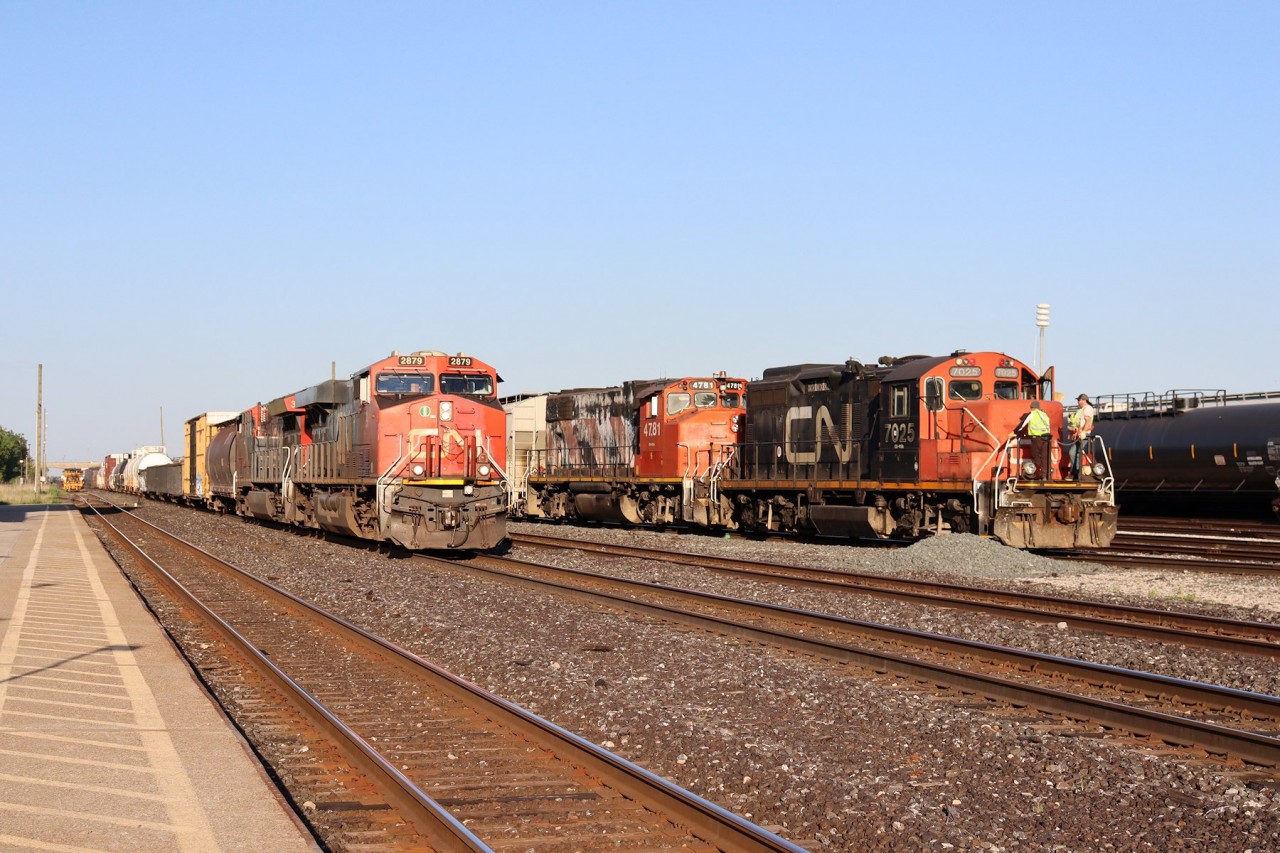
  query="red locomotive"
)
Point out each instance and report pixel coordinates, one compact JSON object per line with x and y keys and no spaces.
{"x":909,"y":447}
{"x":644,"y":452}
{"x":404,"y":451}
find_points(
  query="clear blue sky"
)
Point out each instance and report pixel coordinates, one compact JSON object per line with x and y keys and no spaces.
{"x":204,"y":205}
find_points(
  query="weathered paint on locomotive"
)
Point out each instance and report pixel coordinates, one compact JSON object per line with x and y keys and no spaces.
{"x":406,"y":450}
{"x":1182,"y":442}
{"x":907,"y":447}
{"x":644,"y":452}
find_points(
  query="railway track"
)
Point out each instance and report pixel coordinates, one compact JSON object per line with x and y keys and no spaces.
{"x":1164,"y":547}
{"x":1253,"y":528}
{"x":1232,"y":724}
{"x":1248,"y":548}
{"x":383,"y":749}
{"x":1209,"y":632}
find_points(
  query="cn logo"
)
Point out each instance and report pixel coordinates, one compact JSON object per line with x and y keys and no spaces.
{"x":797,"y":425}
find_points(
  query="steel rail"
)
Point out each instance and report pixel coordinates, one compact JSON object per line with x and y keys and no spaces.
{"x":429,"y":817}
{"x":701,"y":817}
{"x":1164,"y":562}
{"x":1215,"y":738}
{"x":1259,"y":638}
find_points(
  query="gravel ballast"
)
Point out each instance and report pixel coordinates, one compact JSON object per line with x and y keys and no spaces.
{"x":829,"y":756}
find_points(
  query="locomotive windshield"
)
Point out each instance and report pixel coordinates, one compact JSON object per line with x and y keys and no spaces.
{"x":406,"y":383}
{"x":468,"y":384}
{"x":678,"y":401}
{"x":966,"y":389}
{"x":731,"y":401}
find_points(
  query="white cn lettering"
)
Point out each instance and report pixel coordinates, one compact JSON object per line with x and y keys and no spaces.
{"x":843,"y":450}
{"x":797,"y":413}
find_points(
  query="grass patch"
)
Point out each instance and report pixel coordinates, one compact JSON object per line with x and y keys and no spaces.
{"x":13,"y":493}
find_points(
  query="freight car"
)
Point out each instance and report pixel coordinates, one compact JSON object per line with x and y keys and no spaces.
{"x":111,"y":475}
{"x":909,"y":447}
{"x":407,"y":451}
{"x":131,"y":475}
{"x":1194,"y":450}
{"x":163,"y":480}
{"x":643,"y":452}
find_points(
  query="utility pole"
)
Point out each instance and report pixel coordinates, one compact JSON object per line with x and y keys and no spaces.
{"x":162,"y":444}
{"x":39,"y":422}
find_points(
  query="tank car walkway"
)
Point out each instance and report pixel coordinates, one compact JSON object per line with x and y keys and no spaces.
{"x":106,"y":740}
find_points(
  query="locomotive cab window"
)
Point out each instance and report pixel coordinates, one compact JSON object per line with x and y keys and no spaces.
{"x":403,"y":384}
{"x":730,"y":401}
{"x":933,"y":394}
{"x":705,"y":399}
{"x":677,"y":402}
{"x":467,"y":384}
{"x":900,"y":401}
{"x":1006,"y":390}
{"x":966,"y":389}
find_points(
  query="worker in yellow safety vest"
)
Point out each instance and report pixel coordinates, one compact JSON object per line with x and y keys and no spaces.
{"x":1037,"y":427}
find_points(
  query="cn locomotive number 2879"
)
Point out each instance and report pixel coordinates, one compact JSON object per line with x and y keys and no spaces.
{"x":406,"y":451}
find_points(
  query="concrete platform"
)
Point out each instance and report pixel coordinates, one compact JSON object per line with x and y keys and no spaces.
{"x":107,"y":741}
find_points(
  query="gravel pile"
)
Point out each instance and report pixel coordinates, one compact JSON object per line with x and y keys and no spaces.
{"x":831,"y":757}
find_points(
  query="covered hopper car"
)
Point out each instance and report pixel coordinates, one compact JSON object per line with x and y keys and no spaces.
{"x":1194,"y":450}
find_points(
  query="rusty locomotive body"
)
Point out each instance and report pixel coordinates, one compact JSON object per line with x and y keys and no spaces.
{"x":407,"y":451}
{"x":909,"y":447}
{"x":644,"y":452}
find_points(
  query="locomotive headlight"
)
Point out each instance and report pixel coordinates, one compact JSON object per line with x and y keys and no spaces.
{"x":417,"y":470}
{"x":446,"y":410}
{"x":1098,"y":469}
{"x":1028,"y":469}
{"x":483,"y":470}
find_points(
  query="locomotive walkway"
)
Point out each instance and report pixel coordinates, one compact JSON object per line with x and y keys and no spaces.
{"x":106,"y":740}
